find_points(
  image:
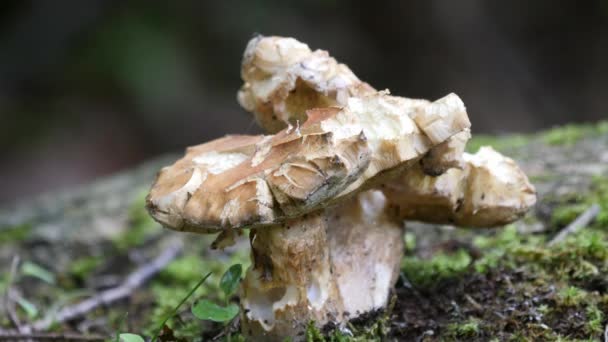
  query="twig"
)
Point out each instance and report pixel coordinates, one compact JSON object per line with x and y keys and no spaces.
{"x":473,"y":302}
{"x":16,"y":336}
{"x":130,"y":284}
{"x":8,"y":297}
{"x":581,"y":222}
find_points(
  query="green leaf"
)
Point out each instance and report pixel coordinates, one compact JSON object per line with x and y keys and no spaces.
{"x":230,"y":280}
{"x":126,"y":337}
{"x":27,"y":306}
{"x":200,"y":282}
{"x":209,"y":311}
{"x":30,"y":269}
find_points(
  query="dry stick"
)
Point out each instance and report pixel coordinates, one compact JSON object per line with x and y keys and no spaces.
{"x":8,"y":303}
{"x":124,"y":290}
{"x":15,"y":336}
{"x":583,"y":220}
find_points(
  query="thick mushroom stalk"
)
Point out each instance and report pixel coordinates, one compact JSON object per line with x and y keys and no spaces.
{"x":366,"y":246}
{"x":290,"y":281}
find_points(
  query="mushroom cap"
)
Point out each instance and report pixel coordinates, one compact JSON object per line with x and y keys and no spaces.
{"x":243,"y":181}
{"x":284,"y":78}
{"x":240,"y":181}
{"x":490,"y":190}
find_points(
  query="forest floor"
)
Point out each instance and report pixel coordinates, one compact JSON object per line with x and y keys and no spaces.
{"x":89,"y":263}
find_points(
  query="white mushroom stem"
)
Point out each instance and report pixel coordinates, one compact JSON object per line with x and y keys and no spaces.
{"x":290,"y":281}
{"x":366,"y":246}
{"x":329,"y":266}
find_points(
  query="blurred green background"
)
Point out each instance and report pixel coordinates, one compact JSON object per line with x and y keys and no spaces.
{"x":88,"y":88}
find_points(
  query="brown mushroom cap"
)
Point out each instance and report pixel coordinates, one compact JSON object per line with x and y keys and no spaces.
{"x":490,"y":190}
{"x":283,"y":78}
{"x":240,"y":180}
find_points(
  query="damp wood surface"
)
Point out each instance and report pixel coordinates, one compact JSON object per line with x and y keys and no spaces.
{"x":502,"y":284}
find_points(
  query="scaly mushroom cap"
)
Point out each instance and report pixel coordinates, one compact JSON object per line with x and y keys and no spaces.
{"x":490,"y":190}
{"x":283,"y":78}
{"x":398,"y":132}
{"x":240,"y":180}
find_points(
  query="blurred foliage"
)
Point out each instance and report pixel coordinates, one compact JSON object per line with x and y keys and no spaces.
{"x":128,"y":80}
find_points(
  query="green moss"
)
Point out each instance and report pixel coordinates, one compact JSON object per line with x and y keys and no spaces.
{"x":15,"y":234}
{"x":423,"y":272}
{"x":562,"y":135}
{"x":571,"y":296}
{"x":82,"y":267}
{"x":467,"y":329}
{"x":565,"y":214}
{"x":570,"y":207}
{"x":565,"y":135}
{"x":360,"y":330}
{"x":140,"y":227}
{"x":313,"y":334}
{"x":410,"y":241}
{"x":495,"y":247}
{"x":4,"y":277}
{"x":499,"y":143}
{"x":595,"y":319}
{"x":599,"y":195}
{"x":572,"y":133}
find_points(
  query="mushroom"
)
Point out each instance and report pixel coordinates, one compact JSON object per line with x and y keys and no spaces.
{"x":283,"y":78}
{"x":280,"y":186}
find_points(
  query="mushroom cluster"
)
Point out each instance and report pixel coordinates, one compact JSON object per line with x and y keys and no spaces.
{"x":325,"y":194}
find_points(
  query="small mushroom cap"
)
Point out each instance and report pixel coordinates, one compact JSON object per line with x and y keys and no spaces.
{"x":284,"y":78}
{"x":242,"y":180}
{"x":490,"y":190}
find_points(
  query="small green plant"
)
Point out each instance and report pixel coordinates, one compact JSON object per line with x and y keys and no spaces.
{"x":571,"y":296}
{"x":468,"y":329}
{"x":126,"y":337}
{"x":34,"y":270}
{"x":207,"y":310}
{"x":27,"y":269}
{"x":203,"y":309}
{"x":425,"y":272}
{"x":595,"y":317}
{"x":174,"y":311}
